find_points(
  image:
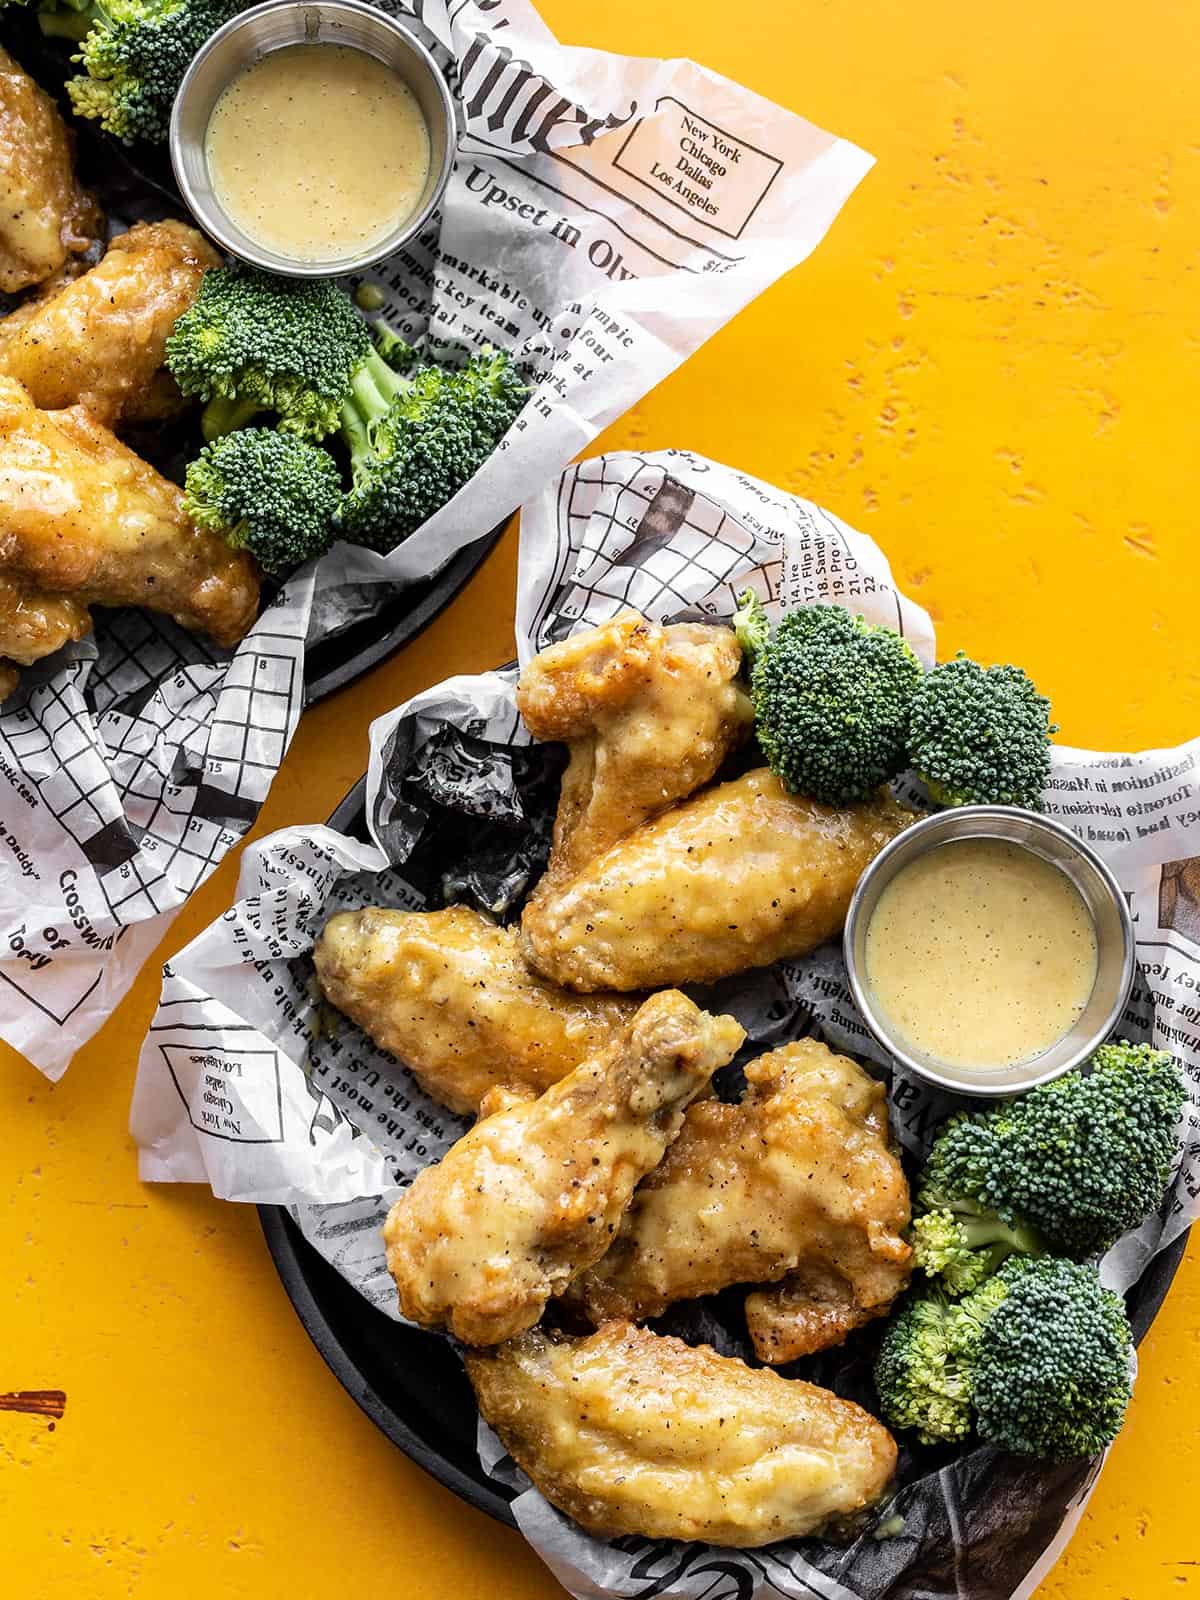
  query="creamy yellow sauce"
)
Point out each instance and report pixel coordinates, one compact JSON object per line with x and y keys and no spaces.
{"x":318,"y":151}
{"x":981,"y":954}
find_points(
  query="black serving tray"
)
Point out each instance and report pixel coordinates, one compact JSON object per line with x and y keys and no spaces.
{"x":412,"y":1384}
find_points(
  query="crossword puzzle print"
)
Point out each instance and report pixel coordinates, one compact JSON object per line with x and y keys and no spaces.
{"x":135,"y":760}
{"x":658,"y":533}
{"x":679,"y":550}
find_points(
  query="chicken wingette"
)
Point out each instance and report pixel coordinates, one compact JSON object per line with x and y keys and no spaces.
{"x":99,"y":340}
{"x":84,"y":521}
{"x":648,"y":715}
{"x":736,"y":877}
{"x":447,"y":994}
{"x":629,"y":1432}
{"x":535,"y":1191}
{"x":798,"y":1178}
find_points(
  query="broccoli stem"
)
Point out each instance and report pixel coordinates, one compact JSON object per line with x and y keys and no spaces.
{"x":221,"y":416}
{"x":983,"y":1228}
{"x":375,"y":386}
{"x":373,"y":390}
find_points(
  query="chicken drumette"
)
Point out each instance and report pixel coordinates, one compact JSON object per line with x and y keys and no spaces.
{"x":535,"y":1191}
{"x":797,"y":1182}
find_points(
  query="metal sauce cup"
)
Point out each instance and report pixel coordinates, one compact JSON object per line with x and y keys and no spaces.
{"x":1101,"y":895}
{"x":274,"y":26}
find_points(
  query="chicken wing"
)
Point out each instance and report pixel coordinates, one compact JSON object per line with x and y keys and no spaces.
{"x":447,"y":993}
{"x":740,"y":876}
{"x":45,"y":217}
{"x":99,"y":341}
{"x":649,"y":714}
{"x":815,"y":1308}
{"x":629,"y":1432}
{"x":797,"y":1178}
{"x":84,"y":521}
{"x":534,"y":1193}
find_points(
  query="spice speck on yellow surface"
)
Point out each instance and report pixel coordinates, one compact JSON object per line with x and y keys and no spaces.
{"x":991,"y":366}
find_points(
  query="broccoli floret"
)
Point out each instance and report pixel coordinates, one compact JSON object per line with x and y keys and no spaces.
{"x":831,"y":694}
{"x":750,"y":625}
{"x":416,"y":436}
{"x":268,"y":492}
{"x":1038,"y":1358}
{"x":1053,"y":1374}
{"x":397,"y":352}
{"x":1068,"y":1167}
{"x":135,"y":53}
{"x":252,"y":342}
{"x":980,"y":735}
{"x":918,"y":1374}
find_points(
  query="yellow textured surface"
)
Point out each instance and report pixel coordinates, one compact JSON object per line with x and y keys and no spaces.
{"x":991,"y":366}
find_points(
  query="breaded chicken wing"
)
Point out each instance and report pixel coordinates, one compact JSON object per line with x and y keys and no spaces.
{"x":447,"y":993}
{"x":797,"y":1178}
{"x":99,"y":341}
{"x":629,"y":1432}
{"x":740,"y":876}
{"x":84,"y":521}
{"x":534,"y":1193}
{"x":817,"y":1307}
{"x":45,"y":217}
{"x":648,"y":713}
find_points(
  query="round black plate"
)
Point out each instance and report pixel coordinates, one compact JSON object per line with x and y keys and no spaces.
{"x":331,"y":664}
{"x":134,"y":182}
{"x":412,"y":1384}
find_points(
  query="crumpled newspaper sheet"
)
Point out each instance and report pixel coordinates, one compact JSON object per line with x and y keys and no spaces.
{"x":605,"y":216}
{"x":248,"y":1084}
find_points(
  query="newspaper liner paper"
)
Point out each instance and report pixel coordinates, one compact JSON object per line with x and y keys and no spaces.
{"x":605,"y":216}
{"x":243,"y":1083}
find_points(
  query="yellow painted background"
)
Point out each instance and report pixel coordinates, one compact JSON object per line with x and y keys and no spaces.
{"x":992,"y":366}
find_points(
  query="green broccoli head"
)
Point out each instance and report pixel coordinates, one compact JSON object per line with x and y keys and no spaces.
{"x":750,"y":625}
{"x":1112,"y":1132}
{"x":980,"y":735}
{"x":1053,"y":1374}
{"x":921,"y":1382}
{"x":416,"y":437}
{"x":1068,"y":1167}
{"x":268,"y":492}
{"x":135,"y":53}
{"x":1037,"y":1358}
{"x":252,"y":342}
{"x":831,"y":695}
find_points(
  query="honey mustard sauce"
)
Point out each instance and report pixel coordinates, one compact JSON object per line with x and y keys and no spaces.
{"x":318,"y":151}
{"x":981,"y":954}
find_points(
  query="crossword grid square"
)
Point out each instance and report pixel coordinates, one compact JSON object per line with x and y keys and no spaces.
{"x":235,"y":705}
{"x":227,"y":740}
{"x":271,"y":712}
